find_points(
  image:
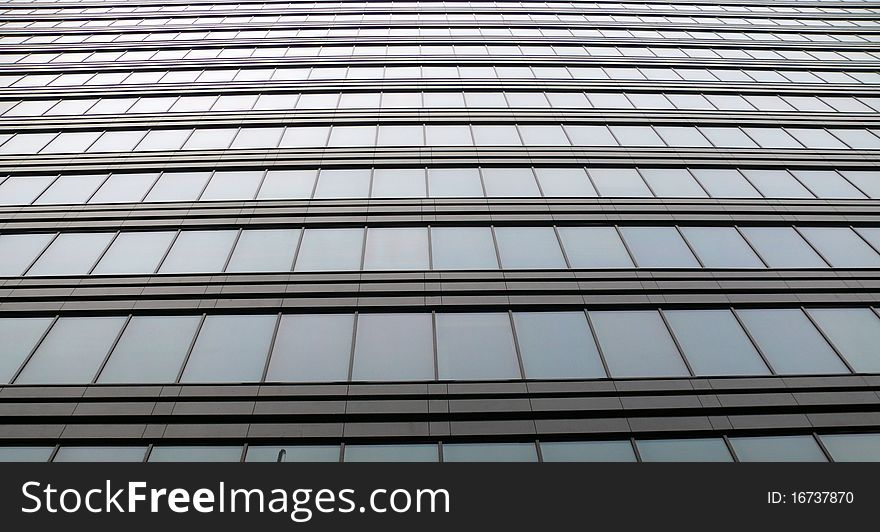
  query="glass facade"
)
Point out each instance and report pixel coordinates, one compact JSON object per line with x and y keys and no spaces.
{"x":429,"y":231}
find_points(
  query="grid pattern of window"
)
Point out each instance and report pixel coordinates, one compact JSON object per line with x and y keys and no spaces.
{"x":564,"y":203}
{"x":274,"y":101}
{"x":433,"y":31}
{"x":523,"y":182}
{"x":859,"y":447}
{"x":437,"y":248}
{"x":445,"y":346}
{"x":437,"y":135}
{"x":623,"y":73}
{"x":645,"y":53}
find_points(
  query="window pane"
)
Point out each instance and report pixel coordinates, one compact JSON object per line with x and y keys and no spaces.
{"x":399,"y":183}
{"x":71,"y":254}
{"x":557,"y":345}
{"x":725,"y":183}
{"x":150,"y":350}
{"x":852,"y":447}
{"x":684,"y":450}
{"x":855,"y":332}
{"x":407,"y":452}
{"x":230,"y":349}
{"x":565,"y":182}
{"x":772,"y":137}
{"x":496,"y":136}
{"x":18,"y":336}
{"x":400,"y":136}
{"x":195,"y":453}
{"x":672,"y":182}
{"x":637,"y":344}
{"x":463,"y":248}
{"x":777,"y":184}
{"x":288,"y":184}
{"x":70,"y":189}
{"x":17,"y":252}
{"x":135,"y":252}
{"x":71,"y":142}
{"x":475,"y":346}
{"x":312,"y":347}
{"x":232,"y":186}
{"x":293,"y":453}
{"x":636,"y":136}
{"x":163,"y":139}
{"x":352,"y":136}
{"x":594,"y":247}
{"x":686,"y":137}
{"x":587,"y":451}
{"x":714,"y":343}
{"x":264,"y":250}
{"x":210,"y":139}
{"x":727,"y":137}
{"x":611,"y":182}
{"x":777,"y":449}
{"x":590,"y":136}
{"x":103,"y":453}
{"x":867,"y":181}
{"x":25,"y":454}
{"x":529,"y":247}
{"x":490,"y":452}
{"x":827,"y":184}
{"x":343,"y":184}
{"x":330,"y":249}
{"x":721,"y":247}
{"x":510,"y":182}
{"x":72,"y":351}
{"x":393,"y":347}
{"x":543,"y":136}
{"x":454,"y":183}
{"x":448,"y":136}
{"x":199,"y":252}
{"x":841,"y":247}
{"x":179,"y":186}
{"x":790,"y":342}
{"x":816,"y":138}
{"x":396,"y":248}
{"x":782,"y":247}
{"x":124,"y":188}
{"x":23,"y":190}
{"x":658,"y":247}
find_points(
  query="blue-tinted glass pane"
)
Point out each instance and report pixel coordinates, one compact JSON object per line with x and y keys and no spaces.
{"x":557,"y":345}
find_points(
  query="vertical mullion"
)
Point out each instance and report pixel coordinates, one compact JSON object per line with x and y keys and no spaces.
{"x":814,"y":248}
{"x":92,"y":195}
{"x":192,"y":345}
{"x":688,"y":244}
{"x":596,"y":342}
{"x":111,"y":349}
{"x":271,"y":348}
{"x":262,"y":180}
{"x":687,"y":363}
{"x":754,"y":342}
{"x":353,"y":343}
{"x":827,"y":340}
{"x":298,"y":247}
{"x":562,"y":248}
{"x":40,"y":254}
{"x":748,"y":243}
{"x":518,"y":352}
{"x":33,"y":350}
{"x":104,"y":252}
{"x":167,"y":251}
{"x":231,"y":250}
{"x":434,"y":345}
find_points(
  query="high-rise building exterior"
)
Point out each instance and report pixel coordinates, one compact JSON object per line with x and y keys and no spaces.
{"x":439,"y":230}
